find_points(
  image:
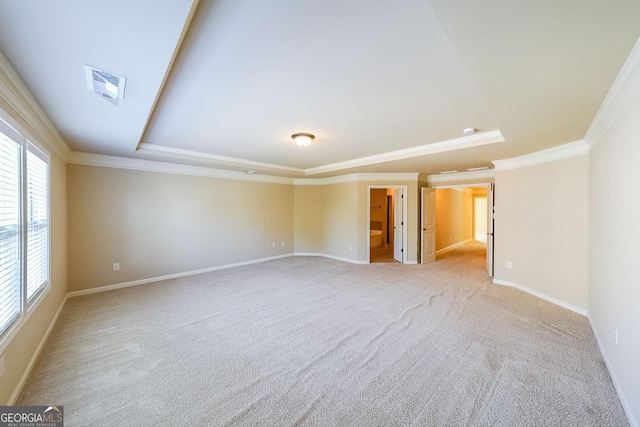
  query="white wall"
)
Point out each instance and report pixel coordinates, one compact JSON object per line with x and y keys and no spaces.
{"x":614,"y":258}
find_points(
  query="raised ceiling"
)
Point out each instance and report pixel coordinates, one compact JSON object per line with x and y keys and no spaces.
{"x":385,"y":86}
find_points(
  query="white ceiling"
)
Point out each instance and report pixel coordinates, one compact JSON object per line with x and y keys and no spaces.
{"x":385,"y":86}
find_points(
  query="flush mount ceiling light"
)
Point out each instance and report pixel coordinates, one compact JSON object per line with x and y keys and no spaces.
{"x":108,"y":85}
{"x":302,"y":139}
{"x":469,"y":131}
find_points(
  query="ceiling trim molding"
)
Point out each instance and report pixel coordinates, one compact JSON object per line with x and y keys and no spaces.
{"x":213,"y":158}
{"x":102,"y":160}
{"x":16,"y":94}
{"x":460,"y":176}
{"x":622,"y":91}
{"x":358,"y":177}
{"x":423,"y":150}
{"x":560,"y":152}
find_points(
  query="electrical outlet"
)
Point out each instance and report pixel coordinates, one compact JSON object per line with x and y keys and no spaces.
{"x":350,"y":247}
{"x":273,"y":245}
{"x":1,"y":366}
{"x":116,"y":266}
{"x":283,"y":244}
{"x":615,"y":336}
{"x":509,"y":264}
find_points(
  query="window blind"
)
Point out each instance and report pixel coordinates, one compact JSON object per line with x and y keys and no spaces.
{"x":10,"y":289}
{"x":37,"y":220}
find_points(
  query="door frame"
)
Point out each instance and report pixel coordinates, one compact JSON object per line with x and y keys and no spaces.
{"x":405,"y":234}
{"x":489,"y":185}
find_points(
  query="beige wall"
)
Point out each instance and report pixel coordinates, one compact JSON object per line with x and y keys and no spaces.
{"x":308,"y":219}
{"x":157,"y":224}
{"x":333,"y":217}
{"x":614,"y":264}
{"x":542,"y":215}
{"x":326,"y":220}
{"x":454,"y":216}
{"x":22,"y":347}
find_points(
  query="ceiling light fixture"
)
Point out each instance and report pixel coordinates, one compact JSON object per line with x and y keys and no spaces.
{"x":249,"y":172}
{"x":302,"y":139}
{"x":469,"y":131}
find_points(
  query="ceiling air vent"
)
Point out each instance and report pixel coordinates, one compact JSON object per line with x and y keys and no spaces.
{"x":107,"y":85}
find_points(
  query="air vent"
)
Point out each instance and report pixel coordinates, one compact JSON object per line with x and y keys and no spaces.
{"x":107,"y":85}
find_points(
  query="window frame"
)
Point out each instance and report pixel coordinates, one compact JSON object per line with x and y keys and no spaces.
{"x":27,"y":306}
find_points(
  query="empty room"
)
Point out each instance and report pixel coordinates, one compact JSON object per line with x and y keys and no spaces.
{"x":339,"y":213}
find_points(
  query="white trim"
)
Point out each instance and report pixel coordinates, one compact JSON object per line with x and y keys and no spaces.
{"x":170,"y":276}
{"x":622,"y":91}
{"x":349,"y":260}
{"x":564,"y":151}
{"x":173,"y":168}
{"x":628,"y":408}
{"x":448,"y":248}
{"x":475,"y":140}
{"x":16,"y":94}
{"x":357,"y":177}
{"x":179,"y":152}
{"x":460,"y":176}
{"x":543,"y":296}
{"x":25,"y":375}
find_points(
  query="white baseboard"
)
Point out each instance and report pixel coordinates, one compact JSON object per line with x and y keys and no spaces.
{"x":170,"y":276}
{"x":623,"y":400}
{"x":352,"y":261}
{"x":541,"y":295}
{"x":448,"y":248}
{"x":18,"y":389}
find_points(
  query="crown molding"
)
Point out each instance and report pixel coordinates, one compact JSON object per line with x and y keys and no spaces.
{"x":90,"y":159}
{"x":564,"y":151}
{"x":440,"y":179}
{"x":622,"y":91}
{"x":423,"y":150}
{"x":16,"y":94}
{"x":213,"y":158}
{"x":358,"y":177}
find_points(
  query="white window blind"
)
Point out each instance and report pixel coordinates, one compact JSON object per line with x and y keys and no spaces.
{"x":37,"y":220}
{"x":24,"y":225}
{"x":10,"y":267}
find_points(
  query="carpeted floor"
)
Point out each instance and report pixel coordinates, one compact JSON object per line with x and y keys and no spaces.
{"x":314,"y":341}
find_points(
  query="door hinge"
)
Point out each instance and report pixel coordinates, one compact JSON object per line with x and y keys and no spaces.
{"x":401,"y":250}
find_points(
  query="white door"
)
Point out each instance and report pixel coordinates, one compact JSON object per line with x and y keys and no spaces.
{"x":490,"y":223}
{"x":428,"y":225}
{"x":398,"y":214}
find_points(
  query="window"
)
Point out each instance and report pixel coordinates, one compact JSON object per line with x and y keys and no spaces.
{"x":24,"y":224}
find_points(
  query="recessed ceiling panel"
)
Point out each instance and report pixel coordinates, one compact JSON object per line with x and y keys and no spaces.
{"x":364,"y":77}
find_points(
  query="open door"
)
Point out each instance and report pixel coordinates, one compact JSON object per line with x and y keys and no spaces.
{"x":428,"y":225}
{"x":398,"y":214}
{"x":490,"y":224}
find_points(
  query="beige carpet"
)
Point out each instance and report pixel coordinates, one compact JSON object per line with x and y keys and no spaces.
{"x":313,"y":341}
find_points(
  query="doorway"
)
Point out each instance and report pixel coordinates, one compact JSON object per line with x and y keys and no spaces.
{"x":387,"y":231}
{"x":464,"y":214}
